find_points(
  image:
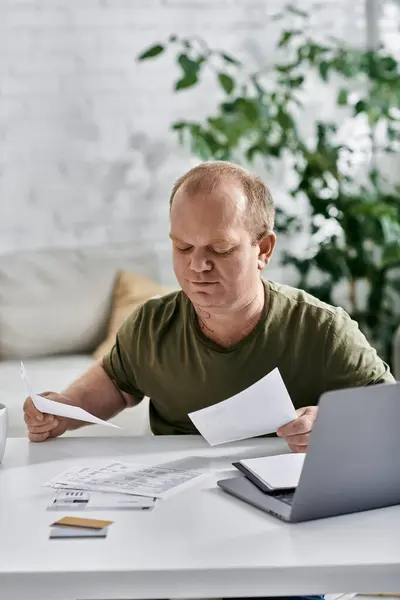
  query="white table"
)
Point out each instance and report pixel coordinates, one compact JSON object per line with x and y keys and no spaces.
{"x":200,"y":543}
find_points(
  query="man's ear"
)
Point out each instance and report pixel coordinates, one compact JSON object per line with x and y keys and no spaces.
{"x":266,"y":246}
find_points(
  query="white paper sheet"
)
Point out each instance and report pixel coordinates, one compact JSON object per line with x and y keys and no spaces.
{"x":83,"y":500}
{"x":128,"y":478}
{"x":262,"y":408}
{"x":59,"y":409}
{"x":277,"y":472}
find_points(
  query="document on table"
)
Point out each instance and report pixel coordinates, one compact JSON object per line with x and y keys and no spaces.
{"x":83,"y":500}
{"x":59,"y":409}
{"x":127,"y":478}
{"x":262,"y":408}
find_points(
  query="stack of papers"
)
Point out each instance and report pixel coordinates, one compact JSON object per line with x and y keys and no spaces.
{"x":132,"y":479}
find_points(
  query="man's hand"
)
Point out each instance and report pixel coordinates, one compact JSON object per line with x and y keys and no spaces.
{"x":42,"y":426}
{"x":297,"y":432}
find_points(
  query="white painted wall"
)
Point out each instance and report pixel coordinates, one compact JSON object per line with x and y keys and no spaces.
{"x":86,"y":155}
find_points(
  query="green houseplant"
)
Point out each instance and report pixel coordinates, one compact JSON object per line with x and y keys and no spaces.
{"x":259,"y":120}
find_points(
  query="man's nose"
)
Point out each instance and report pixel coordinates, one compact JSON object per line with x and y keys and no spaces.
{"x":199,"y":262}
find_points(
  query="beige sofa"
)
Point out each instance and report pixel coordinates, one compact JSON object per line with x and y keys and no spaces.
{"x":54,"y":309}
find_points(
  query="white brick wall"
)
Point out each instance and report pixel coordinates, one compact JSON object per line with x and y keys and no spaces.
{"x":86,"y":156}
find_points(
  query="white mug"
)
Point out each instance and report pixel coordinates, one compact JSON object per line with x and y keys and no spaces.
{"x":3,"y":430}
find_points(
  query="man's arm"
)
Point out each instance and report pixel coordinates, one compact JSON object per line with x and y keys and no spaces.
{"x":95,"y":392}
{"x":350,"y":360}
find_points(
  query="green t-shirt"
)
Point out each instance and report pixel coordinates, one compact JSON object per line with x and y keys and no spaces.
{"x":162,"y":353}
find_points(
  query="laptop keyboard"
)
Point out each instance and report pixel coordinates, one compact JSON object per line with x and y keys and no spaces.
{"x":286,"y":497}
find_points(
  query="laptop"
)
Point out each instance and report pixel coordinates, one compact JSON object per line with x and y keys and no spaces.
{"x":352,"y":463}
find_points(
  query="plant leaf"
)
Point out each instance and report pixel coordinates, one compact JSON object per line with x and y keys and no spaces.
{"x":190,"y":70}
{"x":287,"y":36}
{"x":179,"y":125}
{"x":226,"y":81}
{"x":250,"y":108}
{"x":189,"y":67}
{"x":230,"y":59}
{"x":151,"y":52}
{"x":343,"y":97}
{"x":323,"y":68}
{"x":296,"y":82}
{"x":186,"y":81}
{"x":201,"y":147}
{"x":361,"y":106}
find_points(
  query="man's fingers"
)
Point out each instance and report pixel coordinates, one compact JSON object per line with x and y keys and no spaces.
{"x":297,"y":432}
{"x":303,"y":423}
{"x":31,"y":410}
{"x":299,"y":440}
{"x":298,"y":427}
{"x":297,"y":449}
{"x":39,"y":427}
{"x":302,"y":411}
{"x":38,"y":437}
{"x":34,"y":421}
{"x":43,"y":428}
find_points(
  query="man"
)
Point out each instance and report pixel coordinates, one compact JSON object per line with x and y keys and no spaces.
{"x":226,"y":328}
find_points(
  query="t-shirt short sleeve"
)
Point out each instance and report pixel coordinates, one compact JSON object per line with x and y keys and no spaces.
{"x":120,"y":363}
{"x":350,"y":360}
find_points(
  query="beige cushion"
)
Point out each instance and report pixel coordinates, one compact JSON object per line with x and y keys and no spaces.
{"x":131,"y":290}
{"x":58,"y":301}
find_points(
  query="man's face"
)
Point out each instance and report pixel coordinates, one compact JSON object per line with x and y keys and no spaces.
{"x":215,"y":261}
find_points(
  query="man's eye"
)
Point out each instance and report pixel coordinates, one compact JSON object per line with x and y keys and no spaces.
{"x":223,"y":253}
{"x":184,"y":249}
